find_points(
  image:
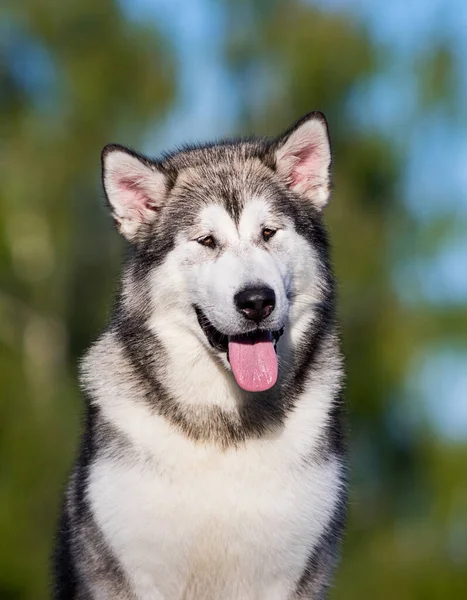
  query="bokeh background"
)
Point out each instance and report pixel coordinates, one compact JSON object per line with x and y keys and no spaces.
{"x":392,"y":79}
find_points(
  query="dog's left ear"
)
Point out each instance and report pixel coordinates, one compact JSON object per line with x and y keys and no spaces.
{"x":303,"y":158}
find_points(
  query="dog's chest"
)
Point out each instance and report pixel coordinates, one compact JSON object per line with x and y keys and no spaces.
{"x":239,"y":524}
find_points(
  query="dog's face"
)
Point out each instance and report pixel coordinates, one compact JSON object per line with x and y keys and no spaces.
{"x":232,"y":234}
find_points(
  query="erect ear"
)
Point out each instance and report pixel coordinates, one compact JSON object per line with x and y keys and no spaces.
{"x":135,"y":188}
{"x":303,"y":158}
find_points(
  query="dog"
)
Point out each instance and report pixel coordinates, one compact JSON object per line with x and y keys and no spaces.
{"x":213,"y":460}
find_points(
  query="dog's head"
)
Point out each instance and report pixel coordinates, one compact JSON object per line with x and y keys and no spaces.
{"x":228,"y":240}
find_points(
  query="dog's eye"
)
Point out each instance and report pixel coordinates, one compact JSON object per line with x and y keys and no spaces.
{"x":268,"y":233}
{"x":208,"y":241}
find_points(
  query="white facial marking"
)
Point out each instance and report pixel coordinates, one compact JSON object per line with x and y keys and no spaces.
{"x":214,"y":219}
{"x":240,"y":260}
{"x":256,"y":215}
{"x":194,"y":275}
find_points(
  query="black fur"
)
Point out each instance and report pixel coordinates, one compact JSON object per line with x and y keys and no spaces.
{"x":323,"y":558}
{"x":77,"y":528}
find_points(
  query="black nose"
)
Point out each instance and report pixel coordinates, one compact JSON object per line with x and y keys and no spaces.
{"x":256,"y":303}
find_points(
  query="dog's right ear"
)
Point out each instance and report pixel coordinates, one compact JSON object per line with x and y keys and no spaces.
{"x":303,"y":158}
{"x":135,"y":188}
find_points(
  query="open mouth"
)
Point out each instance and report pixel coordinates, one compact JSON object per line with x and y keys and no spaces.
{"x":252,"y":356}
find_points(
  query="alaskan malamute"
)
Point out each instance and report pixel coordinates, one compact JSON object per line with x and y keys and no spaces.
{"x":212,"y":465}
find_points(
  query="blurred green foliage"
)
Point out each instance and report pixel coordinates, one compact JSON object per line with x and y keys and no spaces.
{"x":104,"y":78}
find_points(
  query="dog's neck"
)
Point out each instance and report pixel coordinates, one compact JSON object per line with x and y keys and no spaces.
{"x":162,"y":366}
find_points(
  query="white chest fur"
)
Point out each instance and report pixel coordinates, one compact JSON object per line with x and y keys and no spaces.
{"x":202,"y":525}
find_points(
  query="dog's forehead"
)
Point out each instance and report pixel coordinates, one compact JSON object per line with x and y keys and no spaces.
{"x":224,"y":152}
{"x":226,"y":179}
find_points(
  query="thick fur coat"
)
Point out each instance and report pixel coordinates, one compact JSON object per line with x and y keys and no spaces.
{"x":212,"y":465}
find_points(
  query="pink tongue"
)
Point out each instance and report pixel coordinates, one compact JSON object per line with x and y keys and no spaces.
{"x":253,"y":362}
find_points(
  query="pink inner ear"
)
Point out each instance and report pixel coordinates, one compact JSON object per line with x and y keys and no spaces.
{"x":307,"y":166}
{"x":134,"y":196}
{"x":303,"y":160}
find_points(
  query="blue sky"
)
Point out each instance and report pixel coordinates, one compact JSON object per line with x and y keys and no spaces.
{"x":206,"y":108}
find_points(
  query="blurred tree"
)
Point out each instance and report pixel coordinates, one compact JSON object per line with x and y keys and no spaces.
{"x":73,"y":76}
{"x":286,"y":58}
